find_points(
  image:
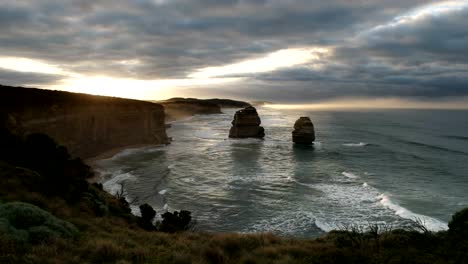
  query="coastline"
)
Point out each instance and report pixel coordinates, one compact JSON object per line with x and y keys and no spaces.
{"x":107,"y":155}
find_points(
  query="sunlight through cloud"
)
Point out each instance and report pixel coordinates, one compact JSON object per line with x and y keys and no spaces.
{"x":433,"y":10}
{"x":273,"y":61}
{"x":28,"y":65}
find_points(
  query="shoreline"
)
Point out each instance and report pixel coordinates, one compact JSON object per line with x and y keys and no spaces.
{"x":107,"y":155}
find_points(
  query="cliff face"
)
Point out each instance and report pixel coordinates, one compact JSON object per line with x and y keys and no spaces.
{"x":176,"y":110}
{"x":179,"y":108}
{"x":222,"y":103}
{"x":87,"y":125}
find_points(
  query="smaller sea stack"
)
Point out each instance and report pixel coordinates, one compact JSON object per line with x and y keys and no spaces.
{"x":246,"y":124}
{"x":304,"y":132}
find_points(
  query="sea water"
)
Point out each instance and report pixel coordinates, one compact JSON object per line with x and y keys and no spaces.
{"x":386,"y":167}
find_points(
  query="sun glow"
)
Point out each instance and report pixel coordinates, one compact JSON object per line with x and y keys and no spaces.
{"x":375,"y":103}
{"x":29,"y":65}
{"x":132,"y":88}
{"x":105,"y":85}
{"x":279,"y":59}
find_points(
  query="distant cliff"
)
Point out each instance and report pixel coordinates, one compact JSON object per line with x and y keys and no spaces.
{"x":223,"y":103}
{"x":178,"y":108}
{"x":87,"y":125}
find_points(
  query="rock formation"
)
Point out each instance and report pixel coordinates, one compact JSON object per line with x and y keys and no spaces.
{"x":87,"y":125}
{"x":246,"y":124}
{"x":304,"y":132}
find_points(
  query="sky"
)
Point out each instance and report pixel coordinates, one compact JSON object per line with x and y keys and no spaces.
{"x":287,"y":51}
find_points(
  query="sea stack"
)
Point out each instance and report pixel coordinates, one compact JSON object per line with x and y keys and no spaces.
{"x":246,"y":124}
{"x":304,"y":132}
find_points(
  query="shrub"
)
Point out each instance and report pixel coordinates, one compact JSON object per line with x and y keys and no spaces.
{"x":175,"y":222}
{"x":147,"y":212}
{"x":459,"y":222}
{"x":23,"y":222}
{"x":147,"y":216}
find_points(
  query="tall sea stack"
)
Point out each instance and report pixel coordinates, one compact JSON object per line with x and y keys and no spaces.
{"x":246,"y":124}
{"x":304,"y":132}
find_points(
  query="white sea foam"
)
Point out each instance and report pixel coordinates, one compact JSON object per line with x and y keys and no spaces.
{"x":241,"y":141}
{"x":317,"y":144}
{"x":206,"y":134}
{"x":349,"y":175}
{"x":162,"y":192}
{"x":431,"y":223}
{"x":325,"y":226}
{"x":290,"y":223}
{"x":114,"y":184}
{"x":165,"y":207}
{"x":360,"y":144}
{"x":135,"y":210}
{"x":365,"y":185}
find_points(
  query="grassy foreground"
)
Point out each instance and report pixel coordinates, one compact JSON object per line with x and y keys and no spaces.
{"x":49,"y":213}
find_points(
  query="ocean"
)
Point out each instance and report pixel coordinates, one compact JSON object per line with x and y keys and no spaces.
{"x":385,"y":167}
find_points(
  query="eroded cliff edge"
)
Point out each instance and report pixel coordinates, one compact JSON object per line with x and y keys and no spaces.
{"x":87,"y":125}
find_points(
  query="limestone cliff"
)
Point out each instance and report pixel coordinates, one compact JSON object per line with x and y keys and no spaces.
{"x":222,"y":103}
{"x":246,"y":124}
{"x":179,"y":108}
{"x":87,"y":125}
{"x":304,"y":132}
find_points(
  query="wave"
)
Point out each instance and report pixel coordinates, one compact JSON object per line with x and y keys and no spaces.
{"x":431,"y":223}
{"x":435,"y":147}
{"x":132,"y":151}
{"x":354,"y":196}
{"x":360,"y":144}
{"x":162,"y":192}
{"x":299,"y":222}
{"x":457,"y":137}
{"x":114,"y":184}
{"x":349,"y":175}
{"x":244,"y":141}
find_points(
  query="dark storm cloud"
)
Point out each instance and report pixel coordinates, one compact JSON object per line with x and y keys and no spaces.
{"x":8,"y":77}
{"x":150,"y":39}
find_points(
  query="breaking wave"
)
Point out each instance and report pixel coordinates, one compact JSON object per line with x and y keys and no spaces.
{"x":431,"y":223}
{"x":360,"y":144}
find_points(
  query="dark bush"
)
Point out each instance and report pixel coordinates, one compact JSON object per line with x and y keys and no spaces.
{"x":459,"y":222}
{"x":147,"y":212}
{"x":147,"y":216}
{"x":59,"y":173}
{"x":175,"y":222}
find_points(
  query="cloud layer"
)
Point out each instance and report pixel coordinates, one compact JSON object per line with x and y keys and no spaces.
{"x":397,"y":48}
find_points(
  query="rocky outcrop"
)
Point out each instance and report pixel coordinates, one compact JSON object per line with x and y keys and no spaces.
{"x":87,"y":125}
{"x":246,"y":124}
{"x":304,"y":132}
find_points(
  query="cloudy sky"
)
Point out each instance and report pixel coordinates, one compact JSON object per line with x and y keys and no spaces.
{"x":278,"y":50}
